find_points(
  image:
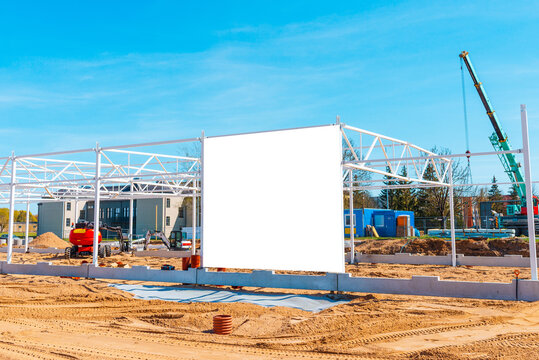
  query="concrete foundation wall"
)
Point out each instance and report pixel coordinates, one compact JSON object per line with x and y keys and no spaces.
{"x":527,"y":290}
{"x":430,"y":286}
{"x":404,"y":258}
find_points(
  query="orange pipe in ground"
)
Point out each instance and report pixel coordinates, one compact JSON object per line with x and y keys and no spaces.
{"x":186,"y":261}
{"x":222,"y":324}
{"x":195,"y":261}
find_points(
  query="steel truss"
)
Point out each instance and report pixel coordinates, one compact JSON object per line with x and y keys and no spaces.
{"x":385,"y":156}
{"x":124,"y":174}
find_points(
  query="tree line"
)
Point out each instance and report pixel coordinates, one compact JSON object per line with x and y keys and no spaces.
{"x":18,"y":216}
{"x":430,"y":202}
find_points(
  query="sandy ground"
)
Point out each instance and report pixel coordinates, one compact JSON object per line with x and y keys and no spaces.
{"x":475,"y":273}
{"x":56,"y":318}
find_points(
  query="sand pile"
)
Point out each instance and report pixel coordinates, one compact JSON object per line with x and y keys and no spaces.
{"x":49,"y":240}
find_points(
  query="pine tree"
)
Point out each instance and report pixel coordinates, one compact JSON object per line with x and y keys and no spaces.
{"x":495,"y":194}
{"x":494,"y":190}
{"x":405,"y":198}
{"x":513,"y":193}
{"x":387,"y":196}
{"x":425,"y":206}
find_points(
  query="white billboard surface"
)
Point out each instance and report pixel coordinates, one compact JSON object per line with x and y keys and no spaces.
{"x":273,"y":200}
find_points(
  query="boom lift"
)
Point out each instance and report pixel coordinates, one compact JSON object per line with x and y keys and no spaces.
{"x":82,"y":240}
{"x":516,"y":214}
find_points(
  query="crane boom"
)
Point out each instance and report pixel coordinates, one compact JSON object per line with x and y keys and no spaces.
{"x":498,"y":139}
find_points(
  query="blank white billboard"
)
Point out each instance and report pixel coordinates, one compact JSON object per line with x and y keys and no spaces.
{"x":273,"y":200}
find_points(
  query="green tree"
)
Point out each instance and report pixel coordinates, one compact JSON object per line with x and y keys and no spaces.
{"x":405,"y":197}
{"x":434,"y":201}
{"x":495,"y":195}
{"x":387,"y":197}
{"x":20,"y":216}
{"x":513,"y":193}
{"x":362,"y":198}
{"x":4,"y":219}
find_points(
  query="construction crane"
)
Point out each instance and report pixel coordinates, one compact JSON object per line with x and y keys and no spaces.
{"x":515,"y":213}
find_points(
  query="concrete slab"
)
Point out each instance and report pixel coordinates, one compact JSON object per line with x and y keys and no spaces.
{"x":409,"y":259}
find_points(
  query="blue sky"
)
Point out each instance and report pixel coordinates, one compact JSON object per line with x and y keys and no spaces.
{"x":73,"y":73}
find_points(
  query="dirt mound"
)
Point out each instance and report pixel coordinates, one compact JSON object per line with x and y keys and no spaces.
{"x":511,"y":246}
{"x":428,"y":247}
{"x":434,"y":246}
{"x":412,"y":246}
{"x":48,"y":240}
{"x":381,"y":246}
{"x":476,"y":248}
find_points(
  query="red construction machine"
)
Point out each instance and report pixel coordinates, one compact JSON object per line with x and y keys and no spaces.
{"x":82,"y":238}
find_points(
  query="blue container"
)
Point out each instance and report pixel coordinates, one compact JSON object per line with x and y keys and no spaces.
{"x":384,"y":220}
{"x":358,"y":222}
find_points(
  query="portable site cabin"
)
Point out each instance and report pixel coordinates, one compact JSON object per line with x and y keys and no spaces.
{"x":384,"y":220}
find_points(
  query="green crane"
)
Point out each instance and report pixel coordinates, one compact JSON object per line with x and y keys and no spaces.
{"x":500,"y":142}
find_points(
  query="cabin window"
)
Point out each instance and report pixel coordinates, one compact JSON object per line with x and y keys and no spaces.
{"x":378,"y":220}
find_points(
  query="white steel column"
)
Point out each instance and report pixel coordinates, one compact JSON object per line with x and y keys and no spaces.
{"x":11,"y":207}
{"x":130,"y":235}
{"x":201,"y":184}
{"x":131,"y":205}
{"x":76,"y":218}
{"x":27,"y":226}
{"x":194,"y":219}
{"x":452,"y":216}
{"x":97,"y":199}
{"x":529,"y":191}
{"x":352,"y":222}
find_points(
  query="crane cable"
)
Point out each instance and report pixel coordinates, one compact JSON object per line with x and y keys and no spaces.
{"x":466,"y":133}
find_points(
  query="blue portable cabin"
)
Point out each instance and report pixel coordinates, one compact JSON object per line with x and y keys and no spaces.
{"x":384,"y":220}
{"x":358,"y":222}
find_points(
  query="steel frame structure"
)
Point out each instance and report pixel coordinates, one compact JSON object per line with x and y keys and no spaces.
{"x":386,"y":156}
{"x":119,"y":172}
{"x":416,"y":160}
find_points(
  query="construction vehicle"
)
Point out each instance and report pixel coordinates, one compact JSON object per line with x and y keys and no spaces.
{"x":124,"y":244}
{"x":82,"y":238}
{"x":515,"y":217}
{"x":175,"y":242}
